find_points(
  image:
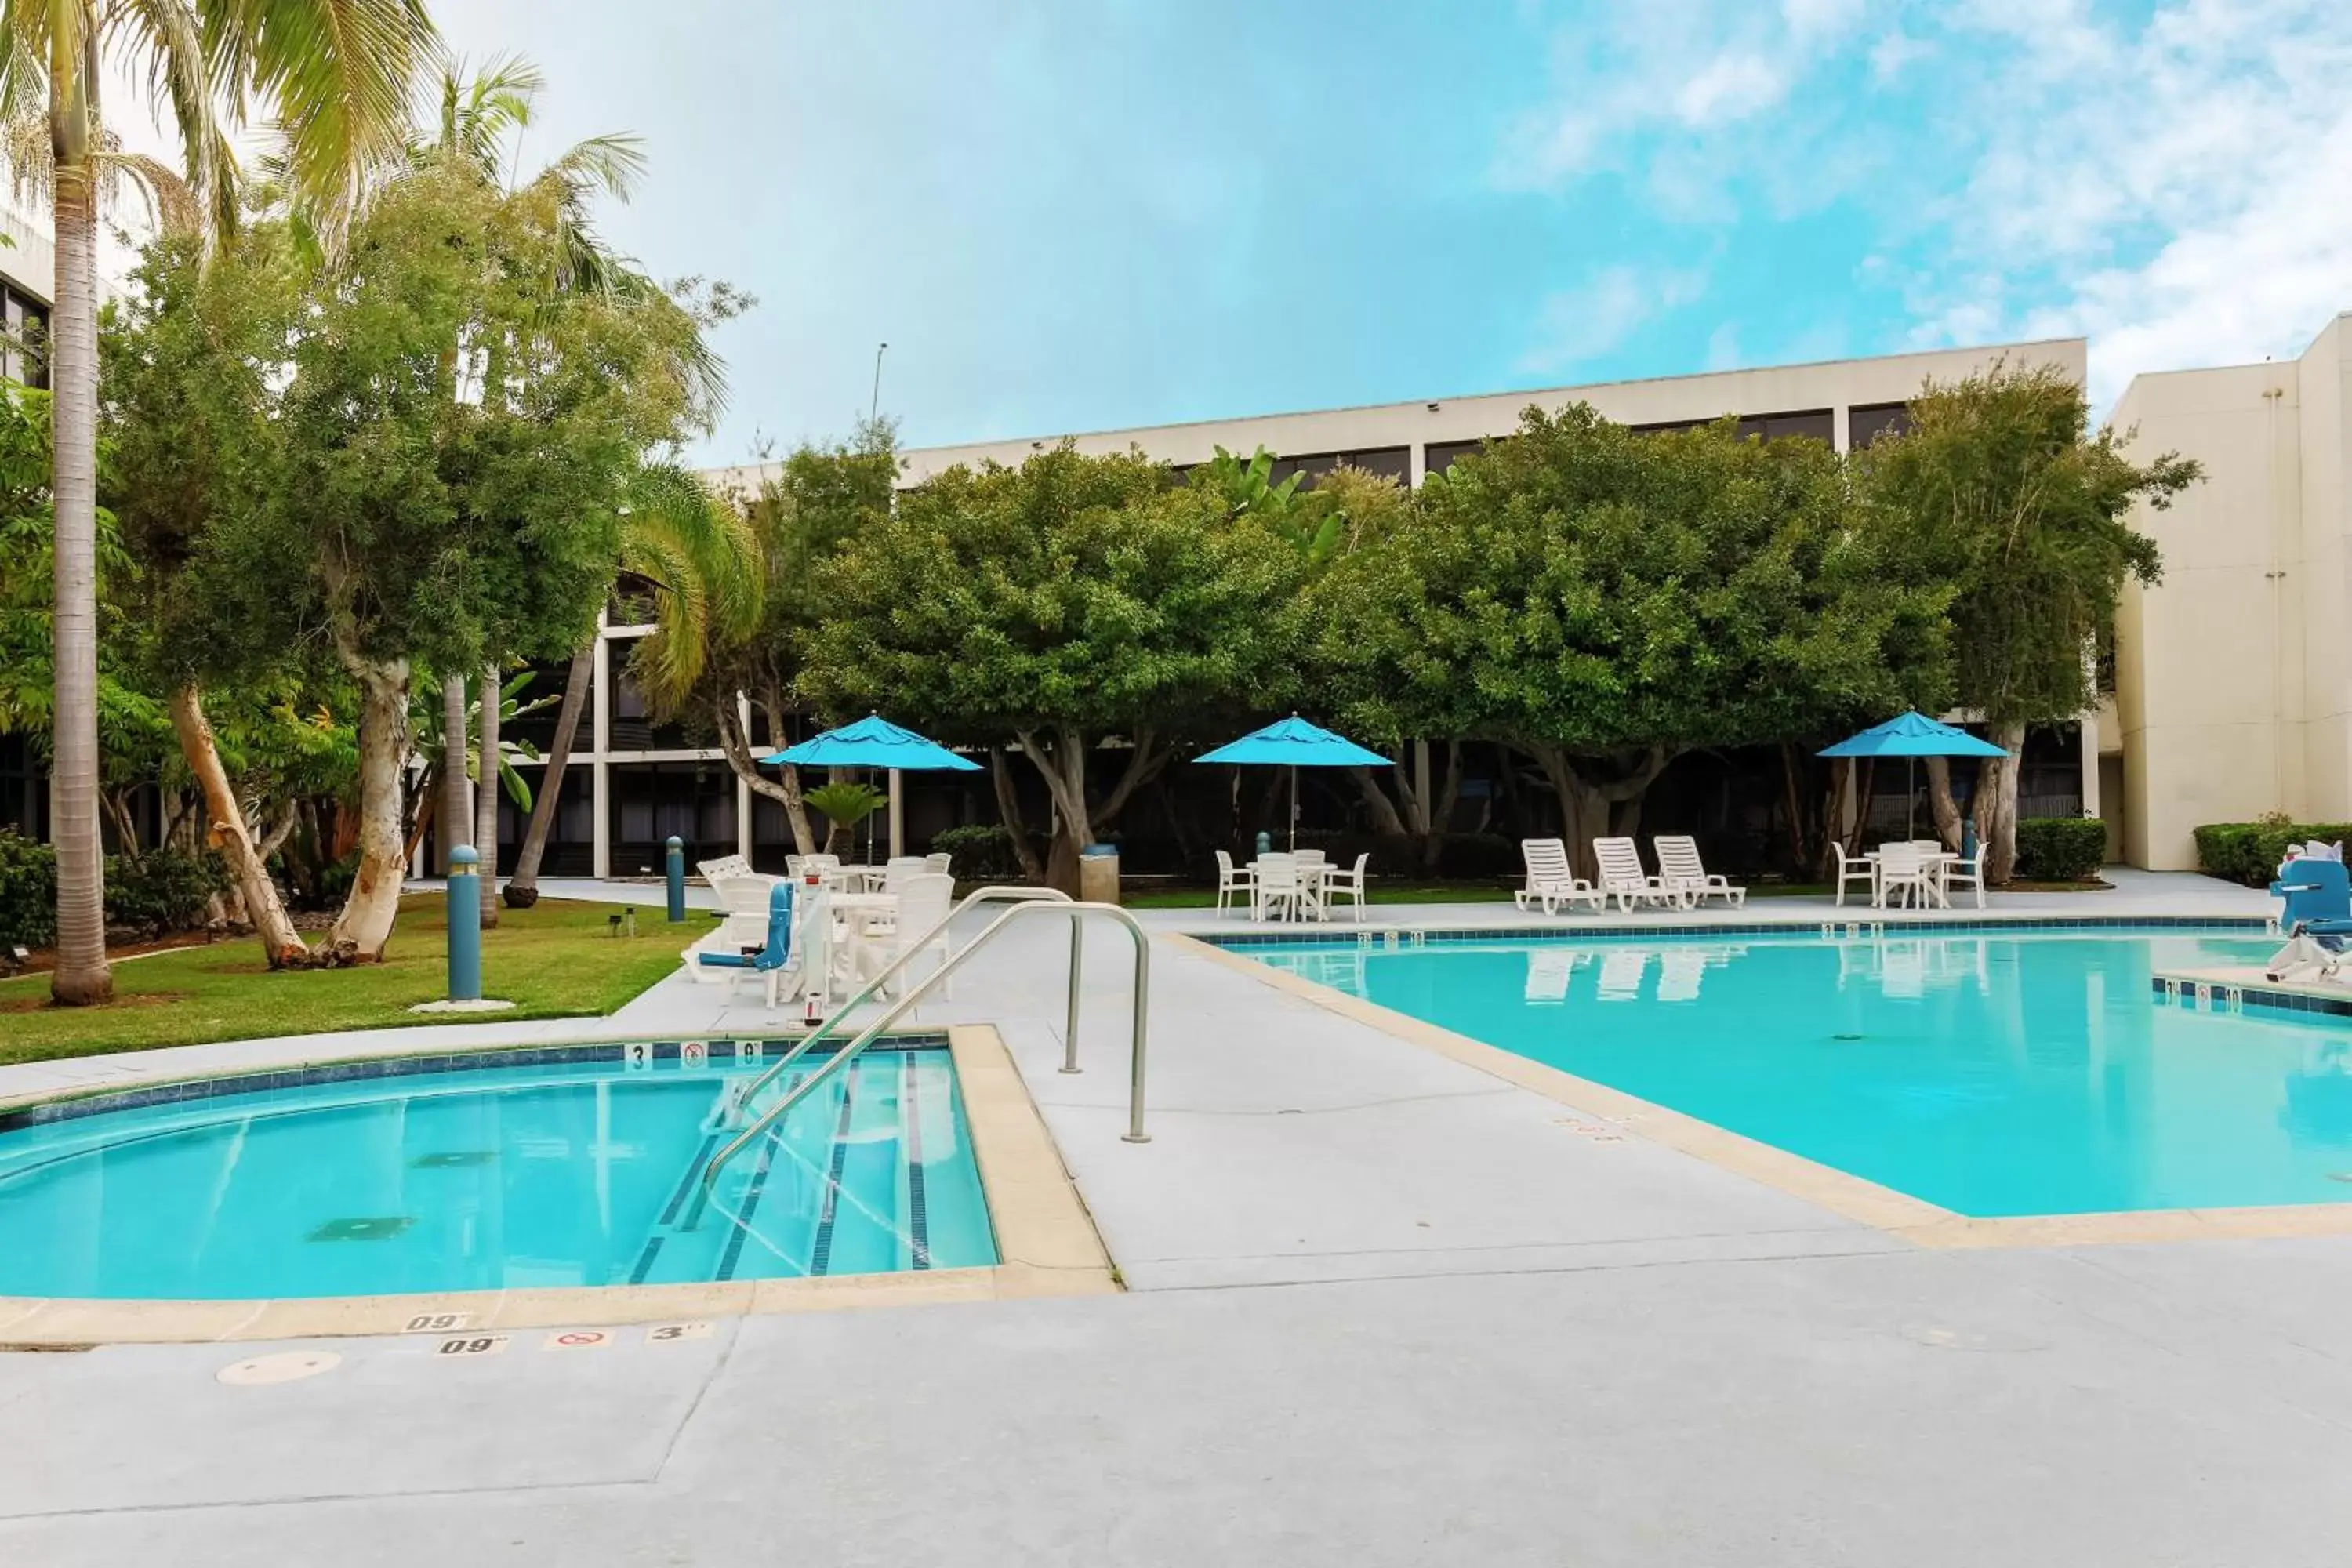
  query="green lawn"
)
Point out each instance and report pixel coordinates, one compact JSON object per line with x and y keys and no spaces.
{"x":553,"y":961}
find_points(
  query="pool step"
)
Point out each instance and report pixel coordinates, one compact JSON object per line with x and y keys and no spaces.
{"x":825,"y":1190}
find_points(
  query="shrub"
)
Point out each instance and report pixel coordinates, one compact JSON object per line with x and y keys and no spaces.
{"x":162,"y":890}
{"x":2061,"y":848}
{"x":982,"y":853}
{"x":2249,"y":852}
{"x":28,"y":891}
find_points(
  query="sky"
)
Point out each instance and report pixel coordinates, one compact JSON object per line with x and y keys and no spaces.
{"x":1075,"y":214}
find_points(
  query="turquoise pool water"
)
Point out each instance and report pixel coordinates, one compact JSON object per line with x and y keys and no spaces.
{"x":492,"y":1177}
{"x":1989,"y":1074}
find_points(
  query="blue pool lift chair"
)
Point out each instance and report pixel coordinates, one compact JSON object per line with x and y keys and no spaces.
{"x":2317,"y":919}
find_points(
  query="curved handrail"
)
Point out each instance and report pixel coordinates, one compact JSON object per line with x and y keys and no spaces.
{"x":993,"y":894}
{"x":841,"y":1058}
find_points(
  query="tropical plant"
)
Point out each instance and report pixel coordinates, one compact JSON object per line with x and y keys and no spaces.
{"x":2020,"y":505}
{"x":843,"y":804}
{"x":333,"y":75}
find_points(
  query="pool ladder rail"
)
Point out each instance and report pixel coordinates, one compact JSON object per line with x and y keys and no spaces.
{"x":1026,"y":901}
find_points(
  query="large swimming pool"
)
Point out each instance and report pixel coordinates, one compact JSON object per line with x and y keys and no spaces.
{"x":1988,"y":1073}
{"x":364,"y":1180}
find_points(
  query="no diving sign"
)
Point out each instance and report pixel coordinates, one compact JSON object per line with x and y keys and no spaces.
{"x":578,"y":1339}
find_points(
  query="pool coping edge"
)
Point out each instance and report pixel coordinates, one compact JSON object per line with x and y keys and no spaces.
{"x":1047,"y":1245}
{"x":1853,"y":1197}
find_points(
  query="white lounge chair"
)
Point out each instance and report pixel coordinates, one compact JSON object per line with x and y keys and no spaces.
{"x":1864,"y":871}
{"x":1234,"y":882}
{"x":1623,"y":878}
{"x":1551,"y":883}
{"x":1680,"y":869}
{"x":723,"y":866}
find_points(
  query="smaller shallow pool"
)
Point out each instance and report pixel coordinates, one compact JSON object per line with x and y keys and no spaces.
{"x":474,"y":1173}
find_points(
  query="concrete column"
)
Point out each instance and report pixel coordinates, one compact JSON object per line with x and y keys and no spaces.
{"x":1840,"y":428}
{"x":1417,"y":459}
{"x":2089,"y":762}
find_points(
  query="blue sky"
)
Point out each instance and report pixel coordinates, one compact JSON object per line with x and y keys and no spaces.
{"x":1083,"y":214}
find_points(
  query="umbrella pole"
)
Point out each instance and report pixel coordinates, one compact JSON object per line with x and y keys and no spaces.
{"x":1910,"y":798}
{"x":897,"y":819}
{"x":1294,"y":806}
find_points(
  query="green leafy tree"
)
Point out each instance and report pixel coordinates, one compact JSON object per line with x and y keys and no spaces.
{"x":2017,"y":503}
{"x":1065,"y":602}
{"x":333,"y":75}
{"x":1602,"y":602}
{"x":455,"y":449}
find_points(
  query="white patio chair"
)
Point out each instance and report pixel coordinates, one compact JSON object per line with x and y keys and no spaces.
{"x":743,"y":893}
{"x":924,"y":900}
{"x":1903,"y":872}
{"x":1274,"y":889}
{"x":1551,"y":883}
{"x":900,"y":867}
{"x":1351,"y":884}
{"x":1968,"y":874}
{"x":1861,"y":870}
{"x":1623,"y":878}
{"x":1234,"y":882}
{"x":1680,"y":869}
{"x":940,"y":863}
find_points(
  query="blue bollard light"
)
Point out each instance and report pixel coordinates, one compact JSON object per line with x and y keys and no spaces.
{"x":677,"y":878}
{"x":464,"y":925}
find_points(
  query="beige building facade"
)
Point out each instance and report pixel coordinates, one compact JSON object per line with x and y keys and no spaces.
{"x":2234,"y":677}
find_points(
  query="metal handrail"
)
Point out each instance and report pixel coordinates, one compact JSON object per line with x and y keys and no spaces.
{"x":993,"y":894}
{"x":841,"y":1058}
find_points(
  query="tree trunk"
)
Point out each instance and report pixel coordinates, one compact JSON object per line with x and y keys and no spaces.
{"x":1996,"y":806}
{"x":81,"y":976}
{"x":1387,"y":822}
{"x":1793,"y":802}
{"x":1077,"y":816}
{"x":485,"y":795}
{"x":365,"y":928}
{"x":1940,"y":803}
{"x":280,"y":943}
{"x":522,"y":887}
{"x":1008,"y":809}
{"x":1591,"y":808}
{"x":457,"y":805}
{"x":737,"y":745}
{"x":1441,"y":815}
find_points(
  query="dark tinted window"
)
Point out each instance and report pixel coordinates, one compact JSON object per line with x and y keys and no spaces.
{"x":1667,"y":427}
{"x":1867,"y":421}
{"x":1439,"y":456}
{"x":1820,"y":424}
{"x":1392,"y":462}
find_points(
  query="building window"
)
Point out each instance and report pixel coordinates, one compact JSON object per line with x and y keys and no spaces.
{"x":631,"y":723}
{"x":1669,"y":427}
{"x":651,"y":801}
{"x":1439,"y":456}
{"x":1867,"y":422}
{"x":538,"y":727}
{"x":24,"y":338}
{"x":1389,"y":462}
{"x":1819,"y":424}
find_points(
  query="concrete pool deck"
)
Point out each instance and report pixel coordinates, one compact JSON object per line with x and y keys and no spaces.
{"x":1382,"y":1307}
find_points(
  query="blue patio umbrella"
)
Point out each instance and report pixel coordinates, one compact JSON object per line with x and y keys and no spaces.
{"x":1295,"y":743}
{"x":1912,"y":736}
{"x":875,"y":742}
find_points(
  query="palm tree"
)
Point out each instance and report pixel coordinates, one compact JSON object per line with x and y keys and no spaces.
{"x":703,"y":563}
{"x":334,"y":75}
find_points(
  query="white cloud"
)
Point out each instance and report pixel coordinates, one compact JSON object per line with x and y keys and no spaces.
{"x":1729,"y":87}
{"x":1583,"y":323}
{"x":2181,"y":192}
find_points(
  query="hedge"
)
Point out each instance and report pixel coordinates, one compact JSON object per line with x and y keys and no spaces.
{"x":2249,"y":852}
{"x":2061,"y":848}
{"x":981,"y":853}
{"x":28,"y":891}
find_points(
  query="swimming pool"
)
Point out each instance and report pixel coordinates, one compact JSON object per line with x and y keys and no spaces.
{"x":576,"y":1167}
{"x":1990,"y":1073}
